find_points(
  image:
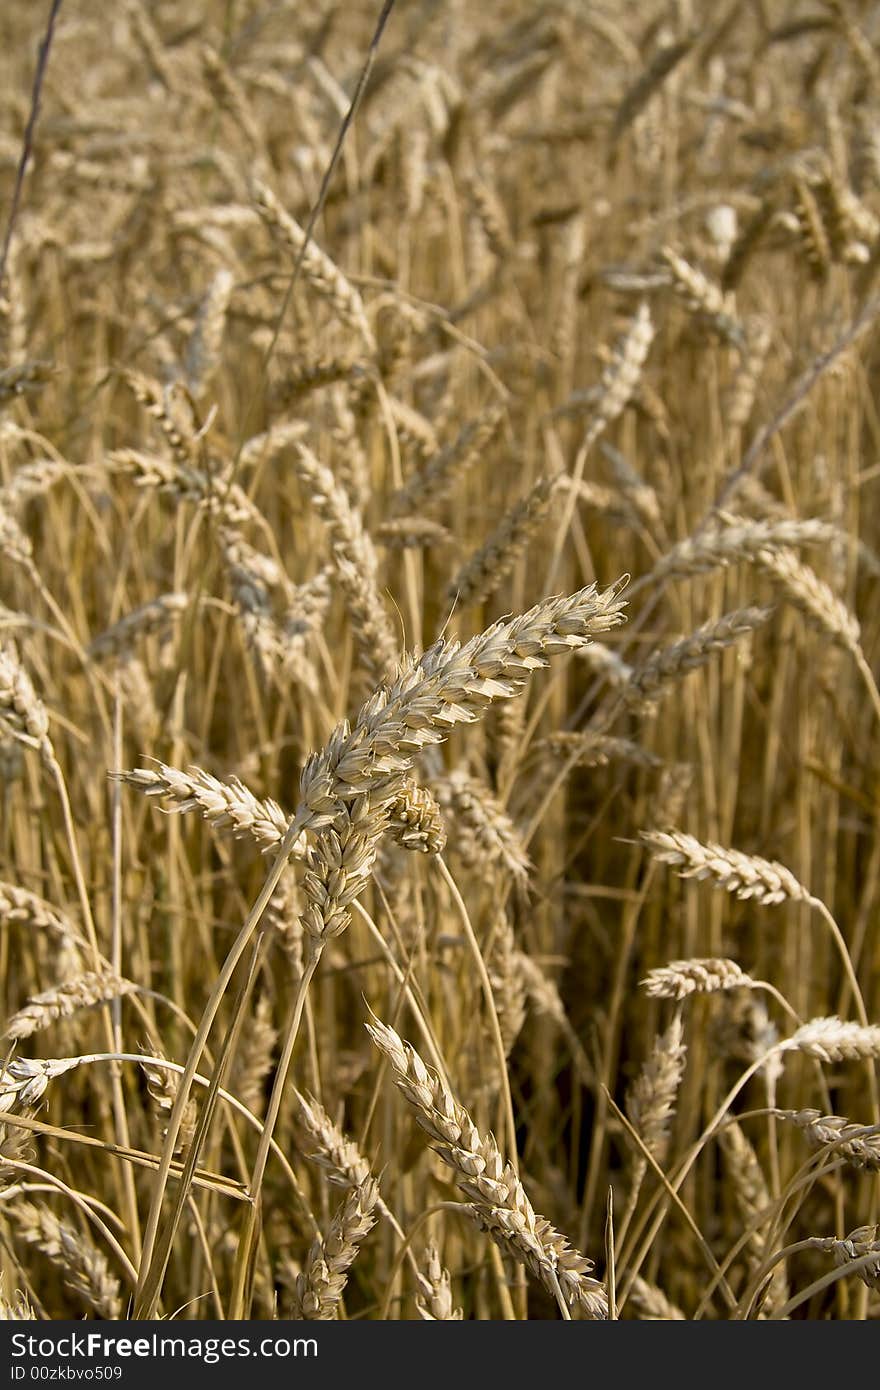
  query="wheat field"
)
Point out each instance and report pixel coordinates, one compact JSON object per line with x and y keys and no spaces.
{"x":439,"y":729}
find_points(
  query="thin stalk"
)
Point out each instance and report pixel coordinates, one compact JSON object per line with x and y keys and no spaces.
{"x":490,"y":1008}
{"x":150,"y":1280}
{"x":247,"y":1241}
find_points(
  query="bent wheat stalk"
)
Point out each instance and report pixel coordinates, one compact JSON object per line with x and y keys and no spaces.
{"x":499,"y":1202}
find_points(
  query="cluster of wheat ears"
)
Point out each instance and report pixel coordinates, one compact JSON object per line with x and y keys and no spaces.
{"x":438,"y":488}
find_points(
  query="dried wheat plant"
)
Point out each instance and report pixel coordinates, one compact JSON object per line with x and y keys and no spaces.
{"x":432,"y":566}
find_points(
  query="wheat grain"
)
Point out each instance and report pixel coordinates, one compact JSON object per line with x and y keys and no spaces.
{"x":652,"y":1303}
{"x":318,"y":269}
{"x":23,"y":379}
{"x":680,"y":978}
{"x":355,"y":563}
{"x":448,"y":685}
{"x":859,"y":1245}
{"x":20,"y":905}
{"x":507,"y":980}
{"x":150,"y":618}
{"x":327,"y":1146}
{"x":320,"y":1285}
{"x":814,"y":598}
{"x":412,"y":533}
{"x":163,"y":1086}
{"x":254,"y":1062}
{"x":65,"y":999}
{"x":753,"y":1201}
{"x":436,"y":479}
{"x":484,"y":832}
{"x":24,"y":1081}
{"x":593,"y":750}
{"x":435,"y":1303}
{"x":743,"y":540}
{"x":23,"y":715}
{"x":746,"y":875}
{"x":814,"y":238}
{"x":831,"y":1040}
{"x":498,"y":1200}
{"x":650,"y":1100}
{"x":85,"y":1269}
{"x":701,"y":296}
{"x":415,"y":820}
{"x":205,"y":347}
{"x":672,"y":663}
{"x":853,"y":1142}
{"x":226,"y":806}
{"x":18,"y":1309}
{"x":481,"y":575}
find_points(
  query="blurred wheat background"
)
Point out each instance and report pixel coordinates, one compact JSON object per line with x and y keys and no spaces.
{"x":548,"y":984}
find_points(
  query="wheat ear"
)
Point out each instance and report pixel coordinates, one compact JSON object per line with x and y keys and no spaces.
{"x":321,"y":1284}
{"x":498,"y":1200}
